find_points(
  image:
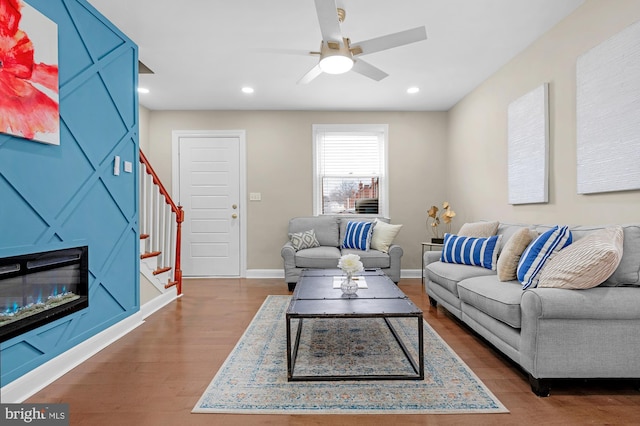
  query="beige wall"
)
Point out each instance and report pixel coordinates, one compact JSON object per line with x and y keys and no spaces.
{"x":477,"y":169}
{"x":143,"y":128}
{"x":279,"y":166}
{"x":148,"y":291}
{"x":459,"y":156}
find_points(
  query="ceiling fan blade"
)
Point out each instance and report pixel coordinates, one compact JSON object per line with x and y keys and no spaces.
{"x":368,"y":70}
{"x":390,"y":41}
{"x":328,"y":18}
{"x":296,"y":52}
{"x":313,"y":73}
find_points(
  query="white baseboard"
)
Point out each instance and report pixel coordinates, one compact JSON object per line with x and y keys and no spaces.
{"x":279,"y":273}
{"x":411,"y":273}
{"x":265,"y":273}
{"x":45,"y":374}
{"x":158,"y":302}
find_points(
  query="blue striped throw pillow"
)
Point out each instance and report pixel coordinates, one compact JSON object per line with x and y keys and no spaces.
{"x":471,"y":251}
{"x":539,"y":252}
{"x":357,"y":235}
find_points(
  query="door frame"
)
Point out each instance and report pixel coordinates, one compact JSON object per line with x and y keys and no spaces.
{"x":175,"y":177}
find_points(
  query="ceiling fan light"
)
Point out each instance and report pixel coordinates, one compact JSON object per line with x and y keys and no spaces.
{"x":336,"y":64}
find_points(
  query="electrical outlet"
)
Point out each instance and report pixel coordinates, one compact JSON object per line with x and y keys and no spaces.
{"x":255,"y":196}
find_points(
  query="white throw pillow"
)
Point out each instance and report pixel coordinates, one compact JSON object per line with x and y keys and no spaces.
{"x":586,"y":263}
{"x":383,"y":235}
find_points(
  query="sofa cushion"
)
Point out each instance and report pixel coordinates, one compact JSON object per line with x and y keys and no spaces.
{"x":448,"y":275}
{"x":303,"y":240}
{"x":512,"y":251}
{"x":371,"y":258}
{"x":586,"y":263}
{"x":325,"y":227}
{"x":383,"y":235}
{"x":479,"y":229}
{"x":358,"y":235}
{"x":471,"y":251}
{"x":539,"y":252}
{"x":500,"y":300}
{"x":323,"y":257}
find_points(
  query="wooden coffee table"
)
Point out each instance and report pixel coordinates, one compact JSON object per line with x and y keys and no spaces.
{"x":315,"y":297}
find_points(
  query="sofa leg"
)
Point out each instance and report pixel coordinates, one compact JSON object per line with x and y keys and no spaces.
{"x":291,"y":286}
{"x":433,"y":302}
{"x":540,"y":386}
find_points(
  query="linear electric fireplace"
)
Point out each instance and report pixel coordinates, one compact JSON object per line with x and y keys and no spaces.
{"x":39,"y":288}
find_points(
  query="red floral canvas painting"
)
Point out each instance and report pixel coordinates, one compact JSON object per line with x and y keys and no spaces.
{"x":29,"y":102}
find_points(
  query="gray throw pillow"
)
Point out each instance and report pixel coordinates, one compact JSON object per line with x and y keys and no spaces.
{"x":304,"y":240}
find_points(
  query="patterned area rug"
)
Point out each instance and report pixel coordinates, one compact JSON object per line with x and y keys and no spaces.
{"x":253,"y":379}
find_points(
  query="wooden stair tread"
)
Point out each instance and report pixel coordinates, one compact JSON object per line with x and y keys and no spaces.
{"x":150,"y":254}
{"x":161,"y":270}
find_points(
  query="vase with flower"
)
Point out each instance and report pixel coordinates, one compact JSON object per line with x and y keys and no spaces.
{"x":433,"y":221}
{"x":350,"y":264}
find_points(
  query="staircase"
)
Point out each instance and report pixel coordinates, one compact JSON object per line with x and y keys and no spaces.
{"x":160,"y":231}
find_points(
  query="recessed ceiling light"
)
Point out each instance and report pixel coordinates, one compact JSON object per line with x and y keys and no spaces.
{"x":247,"y":90}
{"x":412,"y":90}
{"x":143,"y":90}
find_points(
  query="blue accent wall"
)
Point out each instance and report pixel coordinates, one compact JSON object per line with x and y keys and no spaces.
{"x":67,"y":195}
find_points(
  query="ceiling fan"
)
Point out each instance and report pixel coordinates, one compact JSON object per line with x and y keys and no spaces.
{"x":338,"y":55}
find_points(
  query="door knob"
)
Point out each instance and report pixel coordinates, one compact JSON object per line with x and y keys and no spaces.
{"x":234,"y":216}
{"x":234,"y":206}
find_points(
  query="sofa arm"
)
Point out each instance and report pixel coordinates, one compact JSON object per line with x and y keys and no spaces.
{"x":598,"y":303}
{"x":288,"y":253}
{"x":580,"y":333}
{"x":431,"y":256}
{"x":395,"y":252}
{"x":395,"y":259}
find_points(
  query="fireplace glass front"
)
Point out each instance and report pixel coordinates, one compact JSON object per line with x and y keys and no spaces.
{"x":38,"y":288}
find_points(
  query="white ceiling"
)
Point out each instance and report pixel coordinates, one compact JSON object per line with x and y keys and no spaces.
{"x":204,"y":51}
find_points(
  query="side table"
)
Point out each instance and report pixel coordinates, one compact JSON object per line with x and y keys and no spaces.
{"x":431,"y":247}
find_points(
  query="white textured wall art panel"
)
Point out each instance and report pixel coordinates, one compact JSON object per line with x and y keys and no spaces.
{"x":608,"y":114}
{"x":528,"y":147}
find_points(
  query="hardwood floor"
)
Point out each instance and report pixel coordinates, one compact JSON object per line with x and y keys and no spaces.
{"x":155,"y":374}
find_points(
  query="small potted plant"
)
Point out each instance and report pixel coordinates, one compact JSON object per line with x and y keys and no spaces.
{"x":433,"y":221}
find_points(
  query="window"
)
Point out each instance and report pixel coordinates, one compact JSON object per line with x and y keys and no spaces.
{"x":350,"y":169}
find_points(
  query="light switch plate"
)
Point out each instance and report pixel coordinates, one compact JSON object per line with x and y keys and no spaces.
{"x":128,"y":166}
{"x":255,"y":196}
{"x":116,"y":166}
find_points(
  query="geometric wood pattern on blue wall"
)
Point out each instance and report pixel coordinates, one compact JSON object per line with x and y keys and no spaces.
{"x":67,"y":195}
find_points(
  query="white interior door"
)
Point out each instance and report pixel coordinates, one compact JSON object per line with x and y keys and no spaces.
{"x":209,"y":191}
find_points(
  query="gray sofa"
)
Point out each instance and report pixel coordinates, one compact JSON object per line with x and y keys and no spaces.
{"x":551,"y":333}
{"x":329,"y":231}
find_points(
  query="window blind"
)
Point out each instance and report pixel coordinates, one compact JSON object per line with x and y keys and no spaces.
{"x":344,"y":154}
{"x":350,"y":168}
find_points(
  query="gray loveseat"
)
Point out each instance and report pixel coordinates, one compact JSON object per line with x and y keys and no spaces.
{"x":330,"y":231}
{"x":552,"y":333}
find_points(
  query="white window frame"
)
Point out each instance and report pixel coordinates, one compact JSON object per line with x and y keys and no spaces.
{"x":383,"y":183}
